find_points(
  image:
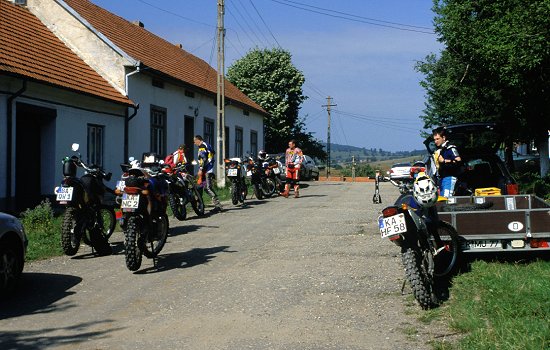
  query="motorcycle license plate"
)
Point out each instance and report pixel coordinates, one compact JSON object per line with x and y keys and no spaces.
{"x":392,"y":225}
{"x":276,"y":171}
{"x":120,"y":185}
{"x":129,"y":202}
{"x":249,"y":173}
{"x":64,"y":194}
{"x":231,"y":172}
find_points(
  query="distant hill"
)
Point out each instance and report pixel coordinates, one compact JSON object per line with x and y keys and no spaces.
{"x":344,"y":154}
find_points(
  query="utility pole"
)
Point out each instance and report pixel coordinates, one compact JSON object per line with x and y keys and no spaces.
{"x":328,"y":105}
{"x":220,"y":97}
{"x":353,"y":168}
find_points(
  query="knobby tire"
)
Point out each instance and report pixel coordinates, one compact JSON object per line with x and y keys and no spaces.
{"x":152,"y":245}
{"x":178,"y":209}
{"x":132,"y":252}
{"x":418,"y":278}
{"x":71,"y":231}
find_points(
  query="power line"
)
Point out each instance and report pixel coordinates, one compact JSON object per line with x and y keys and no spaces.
{"x":268,"y":29}
{"x":369,"y":117}
{"x":254,"y":22}
{"x":353,"y":19}
{"x":247,"y":23}
{"x":175,"y":14}
{"x":239,"y":24}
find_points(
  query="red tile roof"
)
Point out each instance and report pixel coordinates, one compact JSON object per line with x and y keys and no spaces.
{"x":29,"y":49}
{"x":155,"y":52}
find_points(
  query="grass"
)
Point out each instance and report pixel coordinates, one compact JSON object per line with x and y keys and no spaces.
{"x":43,"y":232}
{"x":499,"y":306}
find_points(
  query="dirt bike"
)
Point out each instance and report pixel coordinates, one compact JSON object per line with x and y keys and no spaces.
{"x":235,"y":174}
{"x":143,"y":199}
{"x":182,"y":189}
{"x":272,"y":169}
{"x":429,"y":248}
{"x":86,"y":217}
{"x":262,"y":185}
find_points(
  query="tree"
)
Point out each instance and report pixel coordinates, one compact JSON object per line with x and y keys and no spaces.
{"x":494,"y":67}
{"x":270,"y":79}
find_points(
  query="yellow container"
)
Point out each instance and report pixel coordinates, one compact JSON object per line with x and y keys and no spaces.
{"x":488,"y":191}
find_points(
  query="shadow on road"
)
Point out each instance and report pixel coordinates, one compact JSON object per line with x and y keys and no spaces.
{"x":312,"y":195}
{"x":182,"y":260}
{"x":185,"y":229}
{"x":36,"y":294}
{"x":40,"y":339}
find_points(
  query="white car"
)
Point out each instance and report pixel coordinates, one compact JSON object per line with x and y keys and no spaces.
{"x":400,"y":171}
{"x":13,"y":248}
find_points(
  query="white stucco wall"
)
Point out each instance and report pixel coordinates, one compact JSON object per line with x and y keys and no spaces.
{"x":178,"y":106}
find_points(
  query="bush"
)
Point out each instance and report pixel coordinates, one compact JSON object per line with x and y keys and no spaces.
{"x":43,"y":231}
{"x":534,"y":183}
{"x":361,"y":170}
{"x":40,"y":218}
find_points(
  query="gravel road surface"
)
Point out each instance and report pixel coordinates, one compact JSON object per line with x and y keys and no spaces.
{"x":307,"y":273}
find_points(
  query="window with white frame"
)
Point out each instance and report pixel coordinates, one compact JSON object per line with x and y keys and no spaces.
{"x":95,"y":144}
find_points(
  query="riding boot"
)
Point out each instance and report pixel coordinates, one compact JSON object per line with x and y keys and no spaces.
{"x":287,"y":189}
{"x":296,"y":191}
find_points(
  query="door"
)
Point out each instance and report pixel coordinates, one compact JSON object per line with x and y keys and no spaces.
{"x":34,"y":154}
{"x":188,"y":136}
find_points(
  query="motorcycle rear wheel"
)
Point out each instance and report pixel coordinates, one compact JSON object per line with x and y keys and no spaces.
{"x":447,"y":259}
{"x":269,"y":187}
{"x":152,"y":245}
{"x":234,"y":194}
{"x":197,"y":203}
{"x":132,"y":251}
{"x":178,"y":209}
{"x":108,"y":216}
{"x":71,"y":231}
{"x":258,"y":191}
{"x":417,"y":275}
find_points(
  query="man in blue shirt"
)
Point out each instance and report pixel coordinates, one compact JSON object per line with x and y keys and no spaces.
{"x":448,"y":162}
{"x":206,"y":168}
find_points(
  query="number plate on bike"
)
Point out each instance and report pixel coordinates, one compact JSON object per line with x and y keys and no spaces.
{"x":120,"y":185}
{"x":64,"y":194}
{"x":231,"y":172}
{"x":276,"y":171}
{"x":129,"y":201}
{"x":392,"y":225}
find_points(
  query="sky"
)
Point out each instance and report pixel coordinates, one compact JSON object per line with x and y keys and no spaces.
{"x":365,"y":64}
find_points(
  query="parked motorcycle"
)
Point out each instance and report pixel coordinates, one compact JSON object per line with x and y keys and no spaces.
{"x":236,"y":175}
{"x":143,"y":189}
{"x":86,"y":217}
{"x":262,"y":185}
{"x":182,"y":189}
{"x":272,"y":169}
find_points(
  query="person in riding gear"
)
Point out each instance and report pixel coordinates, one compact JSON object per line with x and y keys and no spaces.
{"x":206,"y":168}
{"x":293,"y":161}
{"x":448,"y":163}
{"x":179,"y":156}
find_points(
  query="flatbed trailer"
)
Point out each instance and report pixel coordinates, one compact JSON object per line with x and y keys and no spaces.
{"x":503,"y":223}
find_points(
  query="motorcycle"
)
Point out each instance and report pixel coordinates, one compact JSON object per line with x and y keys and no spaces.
{"x":428,"y":249}
{"x":272,"y":169}
{"x":182,"y":189}
{"x":86,"y":218}
{"x":235,"y":174}
{"x":143,"y":199}
{"x":262,"y":185}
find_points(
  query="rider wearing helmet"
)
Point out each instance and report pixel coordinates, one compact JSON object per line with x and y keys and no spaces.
{"x":262,"y":155}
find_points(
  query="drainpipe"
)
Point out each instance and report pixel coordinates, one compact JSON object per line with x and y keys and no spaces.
{"x":126,"y":127}
{"x":137,"y":70}
{"x":9,"y":138}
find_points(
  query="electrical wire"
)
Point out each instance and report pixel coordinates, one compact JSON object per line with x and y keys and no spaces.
{"x":268,"y":29}
{"x":254,"y":22}
{"x":175,"y":14}
{"x":246,"y":22}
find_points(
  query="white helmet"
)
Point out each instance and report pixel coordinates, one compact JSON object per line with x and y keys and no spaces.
{"x":425,"y":190}
{"x":262,"y":155}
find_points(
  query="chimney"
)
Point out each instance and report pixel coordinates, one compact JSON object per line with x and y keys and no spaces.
{"x":139,"y":24}
{"x":20,"y":2}
{"x":180,"y":46}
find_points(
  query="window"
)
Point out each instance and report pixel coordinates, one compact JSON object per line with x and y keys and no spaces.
{"x":189,"y":94}
{"x":158,"y":130}
{"x":245,"y":112}
{"x":238,"y":142}
{"x":208,"y":132}
{"x":253,"y":142}
{"x":95,"y":144}
{"x":158,"y":83}
{"x":226,"y":145}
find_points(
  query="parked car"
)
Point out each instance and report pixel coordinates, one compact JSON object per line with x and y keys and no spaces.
{"x":13,"y":248}
{"x":400,"y":171}
{"x":309,"y":170}
{"x":477,"y":144}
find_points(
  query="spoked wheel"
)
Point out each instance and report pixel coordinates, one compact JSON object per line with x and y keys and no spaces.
{"x":132,"y":251}
{"x":107,"y":219}
{"x":11,"y":265}
{"x":243,"y":192}
{"x":417,"y":266}
{"x":258,"y":191}
{"x":197,"y":203}
{"x":177,"y":205}
{"x":268,"y":187}
{"x":71,"y":231}
{"x":153,"y":244}
{"x":447,"y":255}
{"x":234,"y":194}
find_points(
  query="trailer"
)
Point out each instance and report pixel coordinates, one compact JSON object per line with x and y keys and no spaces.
{"x":499,"y":223}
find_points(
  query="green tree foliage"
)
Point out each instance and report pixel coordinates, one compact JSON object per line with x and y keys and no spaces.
{"x":494,"y":66}
{"x":270,"y":79}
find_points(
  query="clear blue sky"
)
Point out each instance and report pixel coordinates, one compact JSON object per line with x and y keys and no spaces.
{"x":368,"y":69}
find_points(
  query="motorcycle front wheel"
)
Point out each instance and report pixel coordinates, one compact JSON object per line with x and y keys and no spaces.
{"x":178,"y":209}
{"x":153,"y":244}
{"x":71,"y":231}
{"x":258,"y":191}
{"x":132,"y":251}
{"x":446,"y":258}
{"x":197,"y":203}
{"x":418,"y":277}
{"x":268,"y":187}
{"x":108,"y":220}
{"x":234,"y":193}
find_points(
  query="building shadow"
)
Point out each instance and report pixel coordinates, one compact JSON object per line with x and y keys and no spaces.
{"x":49,"y":336}
{"x":183,"y":260}
{"x":36,"y":293}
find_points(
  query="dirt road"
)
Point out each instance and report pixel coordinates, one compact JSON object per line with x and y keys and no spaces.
{"x":307,"y":273}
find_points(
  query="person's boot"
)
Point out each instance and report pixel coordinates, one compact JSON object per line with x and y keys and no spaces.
{"x":285,"y":193}
{"x":296,"y":192}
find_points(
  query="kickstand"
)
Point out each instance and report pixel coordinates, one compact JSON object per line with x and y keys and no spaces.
{"x":155,"y":261}
{"x":403,"y":287}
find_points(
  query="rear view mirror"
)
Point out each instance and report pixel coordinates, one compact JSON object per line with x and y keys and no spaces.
{"x":75,"y":147}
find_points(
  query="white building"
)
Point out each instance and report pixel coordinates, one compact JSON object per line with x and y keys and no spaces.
{"x":97,"y":106}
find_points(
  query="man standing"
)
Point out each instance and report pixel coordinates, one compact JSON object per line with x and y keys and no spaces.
{"x":206,"y":168}
{"x":293,"y":160}
{"x":448,"y":161}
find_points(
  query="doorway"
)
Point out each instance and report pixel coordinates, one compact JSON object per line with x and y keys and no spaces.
{"x":188,"y":136}
{"x":34,"y":154}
